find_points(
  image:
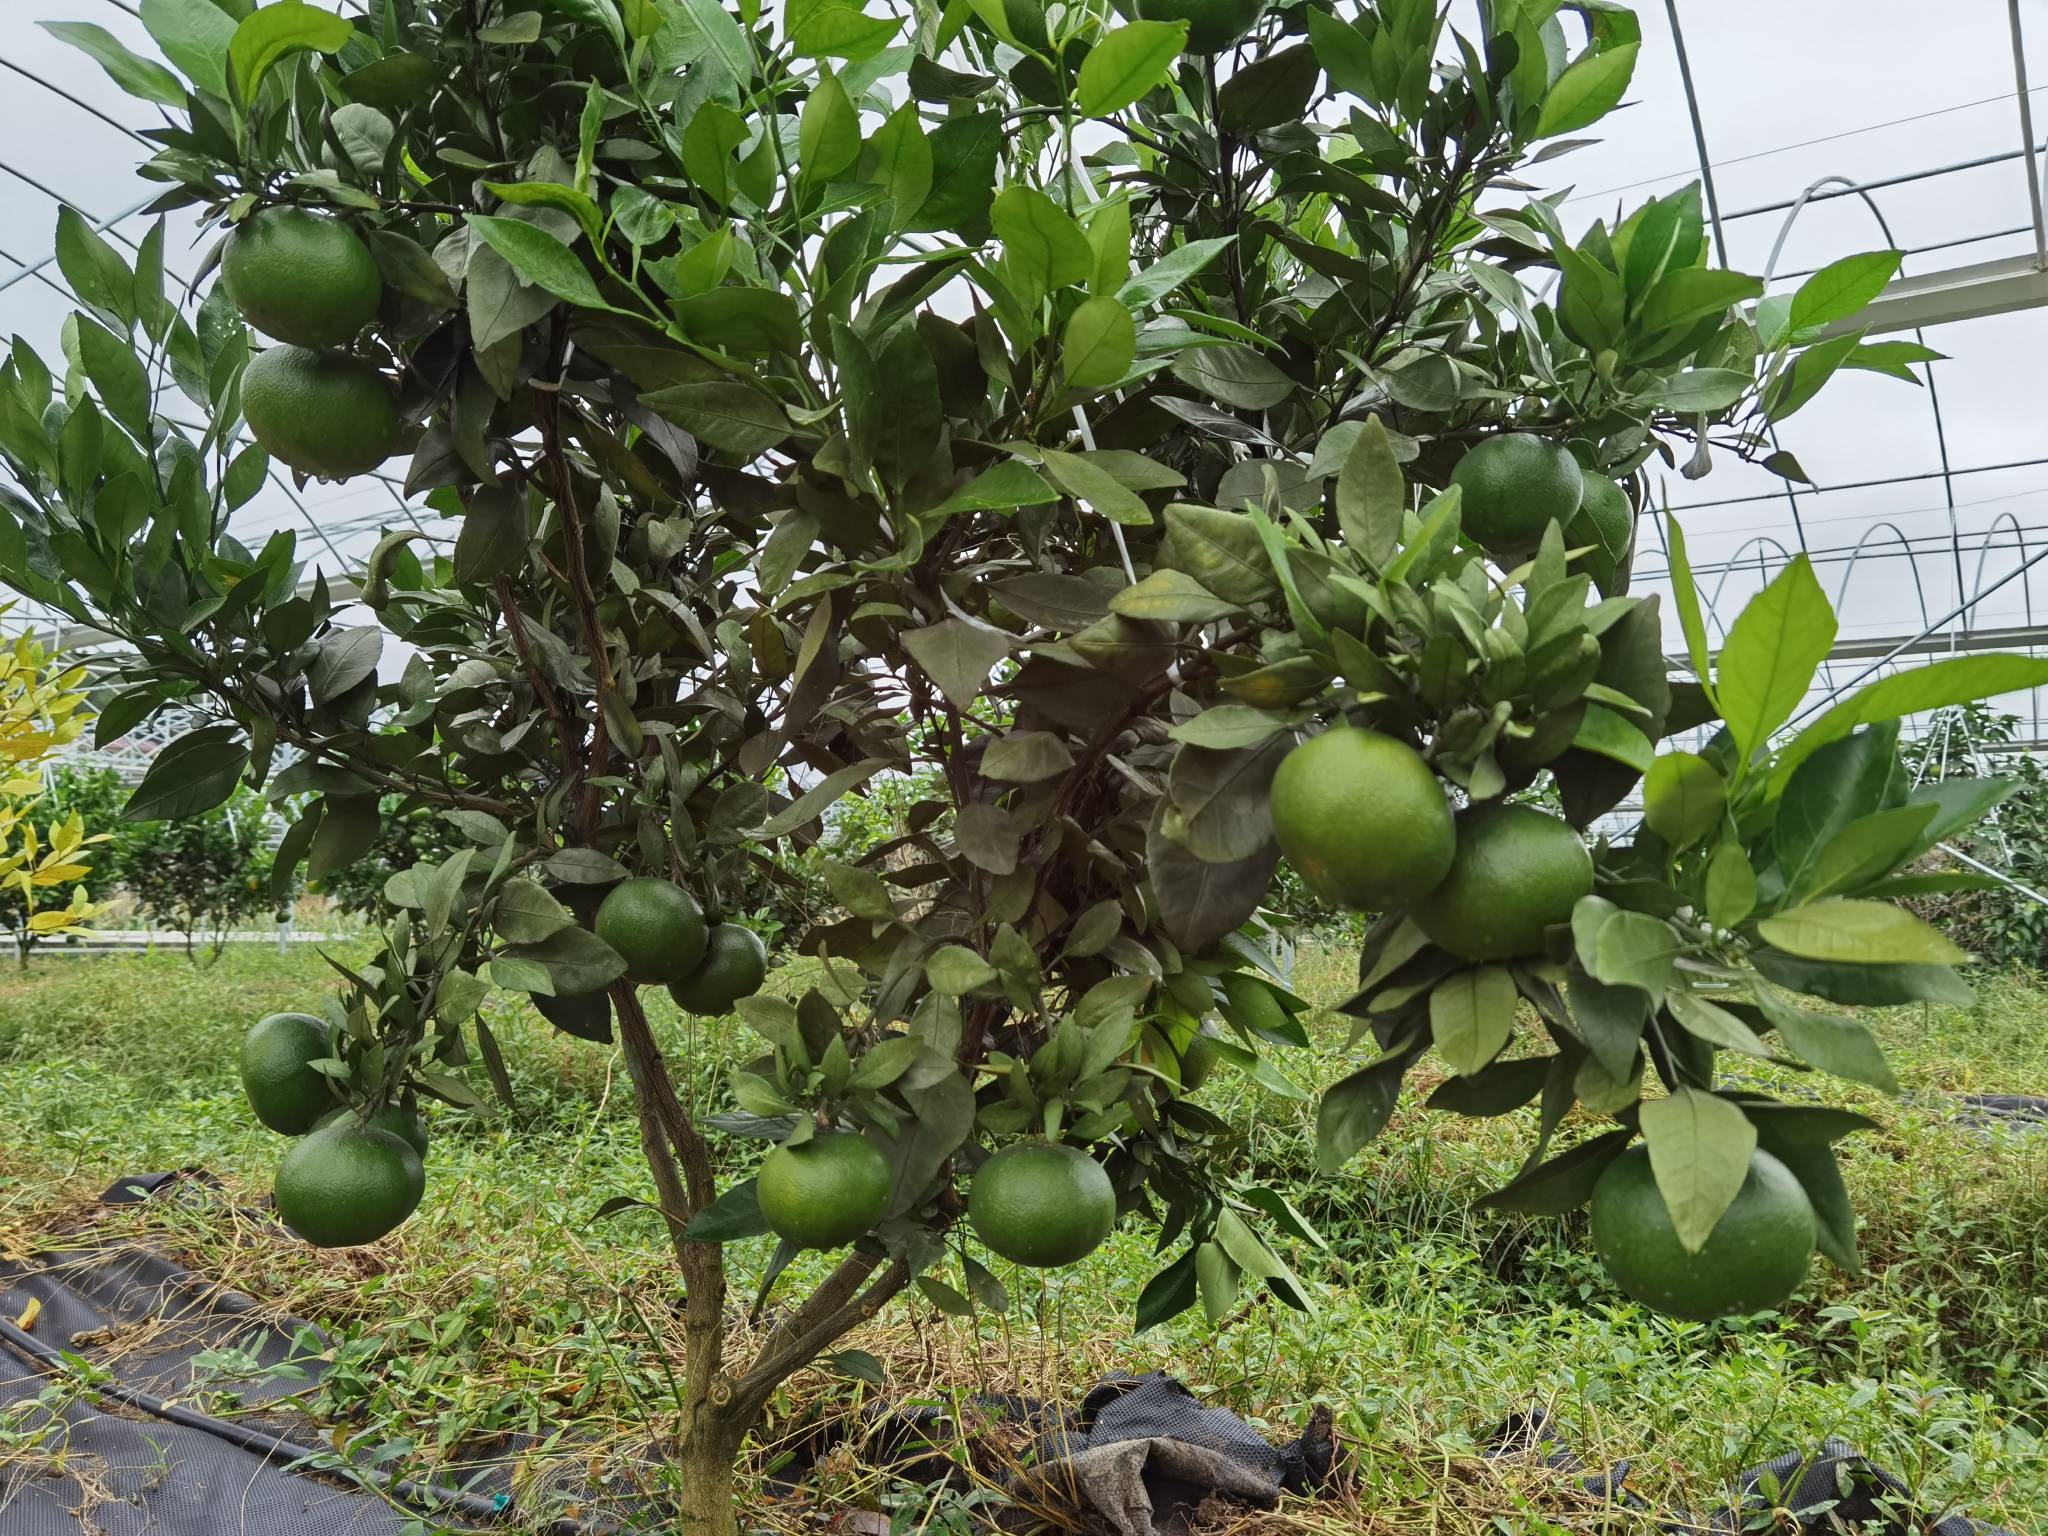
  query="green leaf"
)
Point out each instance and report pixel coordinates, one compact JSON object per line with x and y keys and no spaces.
{"x":1959,"y":680}
{"x":117,"y":373}
{"x":1709,"y":1021}
{"x":1731,"y":886}
{"x":732,"y":417}
{"x":1233,"y":375}
{"x":1270,"y":91}
{"x":1174,"y":597}
{"x":1606,"y":733}
{"x":574,"y":959}
{"x":1026,"y":757}
{"x":144,"y":78}
{"x":1865,"y":986}
{"x":1222,"y":551}
{"x":1087,"y":480}
{"x":720,"y":36}
{"x":860,"y":891}
{"x":526,"y":914}
{"x":1371,"y":495}
{"x":898,"y":158}
{"x":346,"y":657}
{"x":732,"y":1216}
{"x":1127,"y":64}
{"x":194,"y":35}
{"x":821,"y":796}
{"x":1471,"y":1016}
{"x":828,"y":133}
{"x":195,"y":773}
{"x":1842,"y":288}
{"x":1099,"y":344}
{"x":1590,"y":87}
{"x":957,"y":656}
{"x":1867,"y":849}
{"x":1171,"y":270}
{"x":1563,"y":1184}
{"x":277,"y":31}
{"x":1043,"y":248}
{"x":1356,"y":1108}
{"x":1703,"y":390}
{"x":1866,"y":932}
{"x":1686,"y":295}
{"x":1001,"y":487}
{"x":964,"y":155}
{"x":94,"y":269}
{"x":1343,"y":51}
{"x":539,"y":258}
{"x":1224,"y":726}
{"x":552,"y":194}
{"x":1623,"y":948}
{"x":955,"y":970}
{"x":750,"y":321}
{"x":1700,"y":1147}
{"x":1774,"y":648}
{"x":1839,"y":1046}
{"x":1683,"y":798}
{"x":1500,"y":1089}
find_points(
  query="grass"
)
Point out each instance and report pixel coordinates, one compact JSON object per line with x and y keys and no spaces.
{"x":504,"y":1314}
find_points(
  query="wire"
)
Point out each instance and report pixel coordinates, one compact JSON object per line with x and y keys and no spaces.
{"x":83,"y":106}
{"x":1864,"y":485}
{"x":1782,"y":149}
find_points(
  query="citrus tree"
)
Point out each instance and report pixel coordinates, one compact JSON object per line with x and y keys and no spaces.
{"x":1070,"y":412}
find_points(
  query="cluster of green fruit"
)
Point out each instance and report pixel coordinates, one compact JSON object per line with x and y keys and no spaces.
{"x":355,"y":1177}
{"x":310,"y":283}
{"x":1366,"y":823}
{"x":1034,"y":1203}
{"x":352,"y":1177}
{"x":1515,"y":485}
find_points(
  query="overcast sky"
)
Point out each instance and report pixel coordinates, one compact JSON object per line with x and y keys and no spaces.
{"x":1772,"y":77}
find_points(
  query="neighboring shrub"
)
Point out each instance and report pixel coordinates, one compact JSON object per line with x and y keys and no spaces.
{"x":2000,"y":925}
{"x":203,"y":875}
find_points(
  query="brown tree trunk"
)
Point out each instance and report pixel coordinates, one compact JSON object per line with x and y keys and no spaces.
{"x":720,"y":1407}
{"x":705,"y":1501}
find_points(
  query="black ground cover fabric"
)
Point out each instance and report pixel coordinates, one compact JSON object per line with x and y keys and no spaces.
{"x":1138,"y":1456}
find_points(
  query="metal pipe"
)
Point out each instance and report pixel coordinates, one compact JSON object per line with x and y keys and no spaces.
{"x":1699,"y":132}
{"x":2019,"y":72}
{"x":1884,"y":181}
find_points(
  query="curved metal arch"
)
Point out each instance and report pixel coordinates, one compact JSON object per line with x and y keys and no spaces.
{"x":1759,"y":543}
{"x":2019,"y":534}
{"x":1876,"y":530}
{"x":1948,"y":484}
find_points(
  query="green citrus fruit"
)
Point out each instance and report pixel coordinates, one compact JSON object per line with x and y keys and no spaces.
{"x":286,"y":1093}
{"x":825,"y":1192}
{"x":1754,"y":1258}
{"x":1606,"y":522}
{"x":1363,"y":819}
{"x":1042,"y":1205}
{"x":323,"y":413}
{"x":656,"y":927}
{"x":1213,"y":25}
{"x":402,"y":1120}
{"x":301,"y":277}
{"x":1517,"y":871}
{"x":1513,"y":487}
{"x":586,"y":1015}
{"x":735,"y":964}
{"x":1196,"y":1063}
{"x":348,"y":1184}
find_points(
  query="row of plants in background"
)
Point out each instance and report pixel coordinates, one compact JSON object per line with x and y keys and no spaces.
{"x":1150,"y":443}
{"x":198,"y":877}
